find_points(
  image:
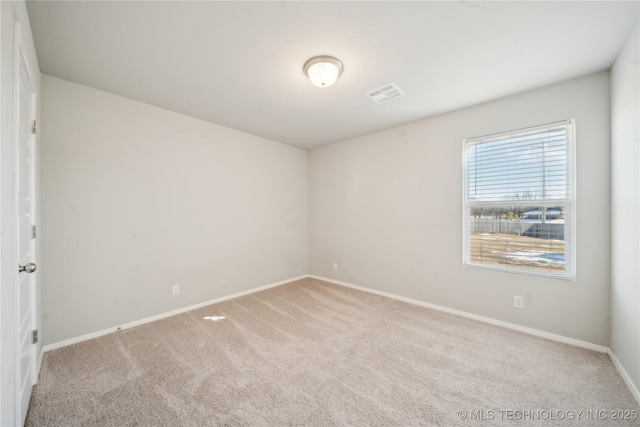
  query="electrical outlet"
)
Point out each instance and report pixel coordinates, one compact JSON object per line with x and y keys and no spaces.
{"x":335,"y":266}
{"x":518,"y":302}
{"x":176,"y":290}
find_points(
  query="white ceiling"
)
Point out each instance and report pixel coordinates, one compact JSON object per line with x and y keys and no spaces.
{"x":239,"y":64}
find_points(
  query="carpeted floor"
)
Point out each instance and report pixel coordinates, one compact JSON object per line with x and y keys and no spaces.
{"x":313,"y":353}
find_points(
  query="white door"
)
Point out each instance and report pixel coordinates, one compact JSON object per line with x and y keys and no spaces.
{"x":25,"y":173}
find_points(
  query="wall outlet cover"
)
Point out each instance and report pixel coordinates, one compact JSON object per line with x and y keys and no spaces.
{"x":518,"y":302}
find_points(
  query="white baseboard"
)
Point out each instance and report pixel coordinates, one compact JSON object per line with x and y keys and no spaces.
{"x":583,"y":344}
{"x":625,"y":376}
{"x":97,"y":334}
{"x":530,"y":331}
{"x":39,"y":363}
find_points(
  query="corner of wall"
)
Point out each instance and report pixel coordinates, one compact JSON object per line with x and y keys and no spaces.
{"x":625,"y":211}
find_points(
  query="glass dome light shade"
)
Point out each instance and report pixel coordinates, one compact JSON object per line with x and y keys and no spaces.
{"x":323,"y":71}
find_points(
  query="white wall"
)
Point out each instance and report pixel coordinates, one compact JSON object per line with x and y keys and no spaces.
{"x":11,"y":13}
{"x":137,"y":199}
{"x":387,"y":208}
{"x":625,"y":208}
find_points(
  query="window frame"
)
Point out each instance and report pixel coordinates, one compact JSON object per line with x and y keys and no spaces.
{"x":570,"y":205}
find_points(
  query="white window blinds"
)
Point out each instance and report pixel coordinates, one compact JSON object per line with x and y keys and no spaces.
{"x":519,"y":200}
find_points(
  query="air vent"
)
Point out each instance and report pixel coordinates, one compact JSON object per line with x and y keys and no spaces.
{"x":385,"y":93}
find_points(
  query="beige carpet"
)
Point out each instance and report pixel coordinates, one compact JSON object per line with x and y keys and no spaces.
{"x":313,"y":353}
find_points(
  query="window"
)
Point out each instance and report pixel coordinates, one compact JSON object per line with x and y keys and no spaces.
{"x":519,"y":200}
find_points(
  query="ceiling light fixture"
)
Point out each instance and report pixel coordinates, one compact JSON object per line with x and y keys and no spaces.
{"x":323,"y":71}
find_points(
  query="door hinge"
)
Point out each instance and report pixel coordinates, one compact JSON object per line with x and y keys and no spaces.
{"x":33,"y":232}
{"x":34,"y":337}
{"x":34,"y":127}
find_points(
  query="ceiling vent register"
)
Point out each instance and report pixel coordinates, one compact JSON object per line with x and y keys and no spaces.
{"x":385,"y":94}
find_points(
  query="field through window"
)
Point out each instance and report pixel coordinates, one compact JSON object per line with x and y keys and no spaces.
{"x":520,"y":252}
